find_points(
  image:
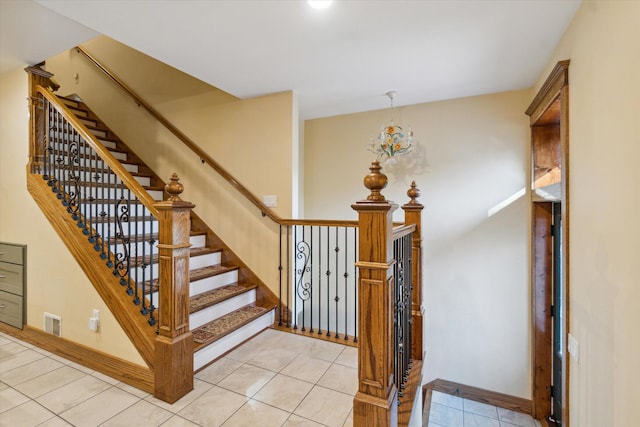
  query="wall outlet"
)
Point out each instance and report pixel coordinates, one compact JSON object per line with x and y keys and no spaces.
{"x":270,"y":201}
{"x":572,"y":347}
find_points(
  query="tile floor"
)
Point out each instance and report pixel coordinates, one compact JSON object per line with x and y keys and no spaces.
{"x":275,"y":379}
{"x":453,"y":411}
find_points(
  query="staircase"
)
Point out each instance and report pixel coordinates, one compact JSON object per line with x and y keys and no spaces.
{"x":228,"y":304}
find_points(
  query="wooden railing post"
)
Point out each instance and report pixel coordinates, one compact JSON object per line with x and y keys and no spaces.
{"x":412,"y":215}
{"x":37,"y":77}
{"x":376,"y":402}
{"x":174,"y":343}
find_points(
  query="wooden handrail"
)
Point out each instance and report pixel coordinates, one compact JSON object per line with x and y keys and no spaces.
{"x":102,"y":152}
{"x":403,"y":230}
{"x":204,"y":157}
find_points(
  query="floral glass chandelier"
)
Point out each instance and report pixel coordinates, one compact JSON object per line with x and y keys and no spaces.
{"x":392,"y":140}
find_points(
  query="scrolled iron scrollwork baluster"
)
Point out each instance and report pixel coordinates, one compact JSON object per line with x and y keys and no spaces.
{"x":303,"y":287}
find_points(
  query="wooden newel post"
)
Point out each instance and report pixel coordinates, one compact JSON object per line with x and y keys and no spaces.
{"x":376,"y":402}
{"x":412,"y":215}
{"x":37,"y":138}
{"x":174,"y":343}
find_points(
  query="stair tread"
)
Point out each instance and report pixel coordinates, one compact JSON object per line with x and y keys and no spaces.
{"x":215,"y":296}
{"x":222,"y":326}
{"x":211,"y":270}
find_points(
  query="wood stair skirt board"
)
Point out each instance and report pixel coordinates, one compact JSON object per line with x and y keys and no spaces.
{"x":476,"y":394}
{"x":137,"y":376}
{"x":223,"y":311}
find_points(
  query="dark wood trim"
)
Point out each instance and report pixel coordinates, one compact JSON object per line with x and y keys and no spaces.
{"x":542,"y":276}
{"x":549,"y":91}
{"x":408,"y":399}
{"x":341,"y":340}
{"x":426,"y":404}
{"x":553,"y":97}
{"x":477,"y":394}
{"x":129,"y":373}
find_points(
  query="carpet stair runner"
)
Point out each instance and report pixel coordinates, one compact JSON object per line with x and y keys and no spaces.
{"x":223,"y":311}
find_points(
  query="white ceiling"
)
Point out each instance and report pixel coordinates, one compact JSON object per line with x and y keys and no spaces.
{"x":339,"y":60}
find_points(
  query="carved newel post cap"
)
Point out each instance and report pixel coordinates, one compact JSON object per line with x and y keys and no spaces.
{"x":375,"y":181}
{"x":413,"y":192}
{"x":174,"y":188}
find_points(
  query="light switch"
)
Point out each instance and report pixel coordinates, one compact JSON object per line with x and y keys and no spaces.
{"x":270,"y":201}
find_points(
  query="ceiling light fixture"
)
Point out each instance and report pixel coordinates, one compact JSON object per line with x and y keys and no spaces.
{"x":392,"y":140}
{"x":319,"y":4}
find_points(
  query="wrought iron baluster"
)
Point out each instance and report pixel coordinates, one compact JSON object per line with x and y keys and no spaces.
{"x":289,"y":312}
{"x":146,"y":262}
{"x":355,"y":288}
{"x":48,"y":128}
{"x":280,"y":275}
{"x":319,"y":280}
{"x":337,"y":297}
{"x":346,"y":287}
{"x":303,"y":252}
{"x":295,"y":273}
{"x":136,"y":263}
{"x":328,"y":274}
{"x":311,"y":279}
{"x":153,"y":307}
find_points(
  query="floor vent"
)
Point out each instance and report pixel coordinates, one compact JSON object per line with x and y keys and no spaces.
{"x":53,"y":324}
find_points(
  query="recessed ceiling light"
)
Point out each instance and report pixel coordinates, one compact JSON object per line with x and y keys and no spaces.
{"x":319,"y":4}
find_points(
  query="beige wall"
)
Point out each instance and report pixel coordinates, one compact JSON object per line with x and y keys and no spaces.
{"x":472,"y":154}
{"x":603,"y":44}
{"x":55,"y":282}
{"x":252,"y":139}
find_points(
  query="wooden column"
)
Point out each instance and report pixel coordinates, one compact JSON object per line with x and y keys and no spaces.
{"x":376,"y":402}
{"x":174,"y":343}
{"x":37,"y":77}
{"x":412,"y":215}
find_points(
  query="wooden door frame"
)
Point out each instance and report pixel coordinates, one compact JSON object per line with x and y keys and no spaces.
{"x":550,"y":103}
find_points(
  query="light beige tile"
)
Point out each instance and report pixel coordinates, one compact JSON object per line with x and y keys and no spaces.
{"x":224,"y":401}
{"x":94,"y":411}
{"x":50,"y":381}
{"x":272,"y":359}
{"x":3,"y":386}
{"x":298,"y":421}
{"x":11,"y":349}
{"x":348,"y":357}
{"x":447,"y":400}
{"x":247,"y":380}
{"x":178,"y":421}
{"x":217,"y":371}
{"x":320,"y":349}
{"x":132,"y":390}
{"x":30,"y":371}
{"x":55,"y":422}
{"x":284,"y":392}
{"x":246,"y":351}
{"x":306,"y":368}
{"x":72,"y":394}
{"x":340,"y":378}
{"x":315,"y":406}
{"x":141,"y":413}
{"x":349,"y":421}
{"x":445,"y":415}
{"x":10,"y":398}
{"x":254,"y":413}
{"x":199,"y":388}
{"x":12,"y":361}
{"x":105,"y":378}
{"x":480,"y":408}
{"x":516,"y":418}
{"x":26,"y":415}
{"x":475,"y":420}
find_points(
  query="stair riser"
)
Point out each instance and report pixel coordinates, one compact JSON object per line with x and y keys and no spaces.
{"x":138,"y":246}
{"x":209,"y":283}
{"x":128,"y":228}
{"x":204,"y":260}
{"x":99,"y":164}
{"x":204,"y":316}
{"x":85,"y":152}
{"x":103,"y":177}
{"x":225,"y":344}
{"x":114,"y":193}
{"x":110,"y":210}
